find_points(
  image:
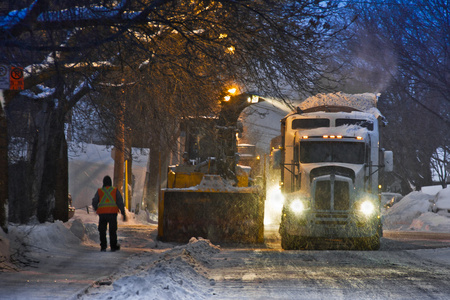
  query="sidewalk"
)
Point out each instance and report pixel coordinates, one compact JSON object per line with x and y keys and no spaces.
{"x":64,"y":272}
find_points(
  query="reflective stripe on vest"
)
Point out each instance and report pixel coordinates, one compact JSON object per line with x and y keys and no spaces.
{"x":107,"y":203}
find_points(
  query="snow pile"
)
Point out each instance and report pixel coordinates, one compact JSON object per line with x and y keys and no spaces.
{"x":45,"y":236}
{"x":201,"y":249}
{"x":363,"y":102}
{"x":412,"y":213}
{"x":443,"y":198}
{"x":215,"y":183}
{"x":5,"y":254}
{"x":81,"y":229}
{"x":431,"y":222}
{"x":177,"y":274}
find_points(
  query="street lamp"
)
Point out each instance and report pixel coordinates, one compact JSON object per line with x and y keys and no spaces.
{"x":231,"y":92}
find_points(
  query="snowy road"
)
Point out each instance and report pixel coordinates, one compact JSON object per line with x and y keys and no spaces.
{"x":408,"y":266}
{"x":327,"y":275}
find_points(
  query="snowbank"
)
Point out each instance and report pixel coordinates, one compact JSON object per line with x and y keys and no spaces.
{"x":442,"y":199}
{"x":81,"y":229}
{"x":174,"y":274}
{"x":412,"y":213}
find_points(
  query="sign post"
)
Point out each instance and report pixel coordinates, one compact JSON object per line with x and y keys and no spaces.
{"x":4,"y":77}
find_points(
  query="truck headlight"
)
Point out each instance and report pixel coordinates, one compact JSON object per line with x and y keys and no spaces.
{"x":297,"y":206}
{"x":367,"y":208}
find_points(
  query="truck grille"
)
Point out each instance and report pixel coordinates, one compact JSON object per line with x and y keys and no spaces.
{"x":332,"y":195}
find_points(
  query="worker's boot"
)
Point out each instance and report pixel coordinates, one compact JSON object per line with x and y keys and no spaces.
{"x":115,"y":248}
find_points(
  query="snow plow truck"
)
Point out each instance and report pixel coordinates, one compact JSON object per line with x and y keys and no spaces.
{"x":210,"y":195}
{"x":330,"y":164}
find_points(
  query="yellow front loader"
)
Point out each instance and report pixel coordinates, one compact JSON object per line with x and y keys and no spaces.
{"x":213,"y":198}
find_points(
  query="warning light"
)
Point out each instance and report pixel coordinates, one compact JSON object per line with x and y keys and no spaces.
{"x":305,"y":137}
{"x":325,"y":136}
{"x":359,"y":138}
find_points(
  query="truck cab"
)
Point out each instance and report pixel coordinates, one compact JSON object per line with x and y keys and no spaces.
{"x":331,"y":159}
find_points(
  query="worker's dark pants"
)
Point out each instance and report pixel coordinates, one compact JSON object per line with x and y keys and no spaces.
{"x":103,"y":224}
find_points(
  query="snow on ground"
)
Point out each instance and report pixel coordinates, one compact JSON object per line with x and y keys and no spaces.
{"x":179,"y":273}
{"x":412,"y":213}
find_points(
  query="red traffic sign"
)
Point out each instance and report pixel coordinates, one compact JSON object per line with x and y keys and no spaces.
{"x":16,"y":81}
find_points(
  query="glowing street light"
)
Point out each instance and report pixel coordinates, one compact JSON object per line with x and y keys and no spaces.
{"x":232,"y":91}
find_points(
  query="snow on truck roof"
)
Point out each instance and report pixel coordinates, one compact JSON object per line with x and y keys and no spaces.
{"x":363,"y":102}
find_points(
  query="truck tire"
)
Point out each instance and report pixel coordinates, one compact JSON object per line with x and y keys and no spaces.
{"x":287,"y":240}
{"x":292,"y":242}
{"x":373,"y":243}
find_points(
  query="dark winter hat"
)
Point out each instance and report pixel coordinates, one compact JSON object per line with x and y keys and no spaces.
{"x":107,"y":181}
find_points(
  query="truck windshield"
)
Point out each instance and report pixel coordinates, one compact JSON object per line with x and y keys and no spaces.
{"x":363,"y":123}
{"x":343,"y":152}
{"x":310,"y":123}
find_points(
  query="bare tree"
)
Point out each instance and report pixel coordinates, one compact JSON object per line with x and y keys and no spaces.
{"x":401,"y":49}
{"x":181,"y":52}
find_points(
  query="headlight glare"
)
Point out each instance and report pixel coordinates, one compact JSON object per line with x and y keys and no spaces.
{"x":367,"y":208}
{"x":297,"y":206}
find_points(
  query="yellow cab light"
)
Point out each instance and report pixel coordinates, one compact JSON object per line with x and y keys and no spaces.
{"x":332,"y":136}
{"x":339,"y":136}
{"x":359,"y":138}
{"x":325,"y":136}
{"x":305,"y":137}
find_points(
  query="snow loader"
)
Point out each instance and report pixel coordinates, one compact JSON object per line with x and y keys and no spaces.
{"x":330,"y":163}
{"x":210,"y":195}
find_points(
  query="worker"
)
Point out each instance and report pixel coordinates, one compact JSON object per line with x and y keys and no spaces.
{"x":107,"y":202}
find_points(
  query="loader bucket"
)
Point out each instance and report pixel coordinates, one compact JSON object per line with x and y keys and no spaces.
{"x":220,"y":216}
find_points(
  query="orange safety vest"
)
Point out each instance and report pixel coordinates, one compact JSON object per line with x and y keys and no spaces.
{"x":107,"y":203}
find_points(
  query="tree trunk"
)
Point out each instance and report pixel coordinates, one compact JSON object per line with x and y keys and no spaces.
{"x":156,"y":176}
{"x":3,"y":170}
{"x":150,"y":194}
{"x":62,"y":184}
{"x":119,"y":155}
{"x":50,"y":167}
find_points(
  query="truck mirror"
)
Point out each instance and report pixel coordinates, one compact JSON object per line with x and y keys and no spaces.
{"x":276,"y":159}
{"x":388,"y":161}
